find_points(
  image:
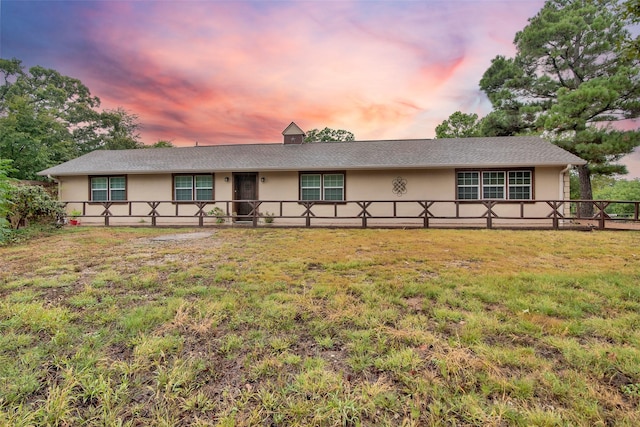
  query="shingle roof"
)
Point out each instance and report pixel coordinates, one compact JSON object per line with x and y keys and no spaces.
{"x":415,"y":153}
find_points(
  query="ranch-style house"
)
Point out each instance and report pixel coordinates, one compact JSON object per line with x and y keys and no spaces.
{"x":383,"y":182}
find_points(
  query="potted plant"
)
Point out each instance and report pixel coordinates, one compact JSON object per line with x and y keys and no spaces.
{"x":74,"y":217}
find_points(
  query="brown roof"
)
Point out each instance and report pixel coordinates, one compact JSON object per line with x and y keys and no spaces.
{"x":522,"y":151}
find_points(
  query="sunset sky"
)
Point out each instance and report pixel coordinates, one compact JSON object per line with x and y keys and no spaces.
{"x":224,"y":72}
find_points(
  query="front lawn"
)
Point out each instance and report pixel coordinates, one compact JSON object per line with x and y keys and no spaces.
{"x":320,"y":327}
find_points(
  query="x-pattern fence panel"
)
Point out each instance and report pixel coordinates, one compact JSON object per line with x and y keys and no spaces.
{"x":368,"y":213}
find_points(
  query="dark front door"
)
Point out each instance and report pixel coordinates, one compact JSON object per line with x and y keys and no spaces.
{"x":244,"y":188}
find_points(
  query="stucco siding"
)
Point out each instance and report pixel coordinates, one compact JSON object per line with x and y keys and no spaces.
{"x":73,"y":188}
{"x":278,"y":186}
{"x":547,"y":183}
{"x":379,"y":185}
{"x":149,"y":187}
{"x":398,"y":193}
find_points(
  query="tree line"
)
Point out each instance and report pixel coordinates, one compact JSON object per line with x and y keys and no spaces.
{"x":47,"y":118}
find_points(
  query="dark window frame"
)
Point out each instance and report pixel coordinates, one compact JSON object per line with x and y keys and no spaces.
{"x":194,"y":188}
{"x":506,"y":186}
{"x":322,"y":186}
{"x":109,"y":189}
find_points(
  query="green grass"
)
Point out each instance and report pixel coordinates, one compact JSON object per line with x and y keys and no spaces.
{"x":320,"y":327}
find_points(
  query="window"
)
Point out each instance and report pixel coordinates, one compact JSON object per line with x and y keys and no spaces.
{"x":493,"y":185}
{"x":193,"y":187}
{"x":334,"y":187}
{"x":520,"y":185}
{"x":108,"y":188}
{"x":322,"y":186}
{"x":468,"y":185}
{"x":499,"y":185}
{"x":310,"y":187}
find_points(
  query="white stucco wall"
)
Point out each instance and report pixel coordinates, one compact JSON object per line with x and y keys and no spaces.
{"x":361,"y":185}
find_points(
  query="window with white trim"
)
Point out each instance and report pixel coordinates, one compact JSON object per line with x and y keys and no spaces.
{"x":108,"y":188}
{"x":468,"y":185}
{"x":192,"y":187}
{"x":322,"y":186}
{"x":520,"y":185}
{"x":494,"y":185}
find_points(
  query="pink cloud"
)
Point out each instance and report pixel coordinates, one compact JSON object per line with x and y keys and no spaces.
{"x":234,"y":72}
{"x":221,"y":72}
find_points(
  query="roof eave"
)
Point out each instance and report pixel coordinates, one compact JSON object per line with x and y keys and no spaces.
{"x":317,"y":168}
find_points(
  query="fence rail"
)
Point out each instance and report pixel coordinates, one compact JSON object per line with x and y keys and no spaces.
{"x":553,"y":214}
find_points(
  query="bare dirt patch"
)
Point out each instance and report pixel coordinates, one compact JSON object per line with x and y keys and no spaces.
{"x":181,"y":237}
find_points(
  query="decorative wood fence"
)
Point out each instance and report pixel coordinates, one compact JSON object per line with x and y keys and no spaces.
{"x":553,"y":214}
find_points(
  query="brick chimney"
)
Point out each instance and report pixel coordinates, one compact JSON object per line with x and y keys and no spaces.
{"x":293,"y":134}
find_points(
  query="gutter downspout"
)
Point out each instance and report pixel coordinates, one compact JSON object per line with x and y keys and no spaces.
{"x":562,"y":172}
{"x":567,"y":209}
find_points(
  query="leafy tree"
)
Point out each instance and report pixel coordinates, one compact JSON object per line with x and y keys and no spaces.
{"x":620,"y":189}
{"x":115,"y":129}
{"x":161,"y":144}
{"x":9,"y":69}
{"x":33,"y":139}
{"x":459,"y":125}
{"x":496,"y":123}
{"x":47,"y":118}
{"x":32,"y":203}
{"x":571,"y":77}
{"x":121,"y":130}
{"x":328,"y":135}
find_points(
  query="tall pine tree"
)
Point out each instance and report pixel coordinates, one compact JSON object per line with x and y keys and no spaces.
{"x":570,"y":73}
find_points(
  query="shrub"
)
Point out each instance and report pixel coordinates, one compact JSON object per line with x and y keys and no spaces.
{"x":268,"y":217}
{"x":32,"y":203}
{"x":4,"y":203}
{"x":219,"y":214}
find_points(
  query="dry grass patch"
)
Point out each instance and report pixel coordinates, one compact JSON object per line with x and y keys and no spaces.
{"x":321,"y":327}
